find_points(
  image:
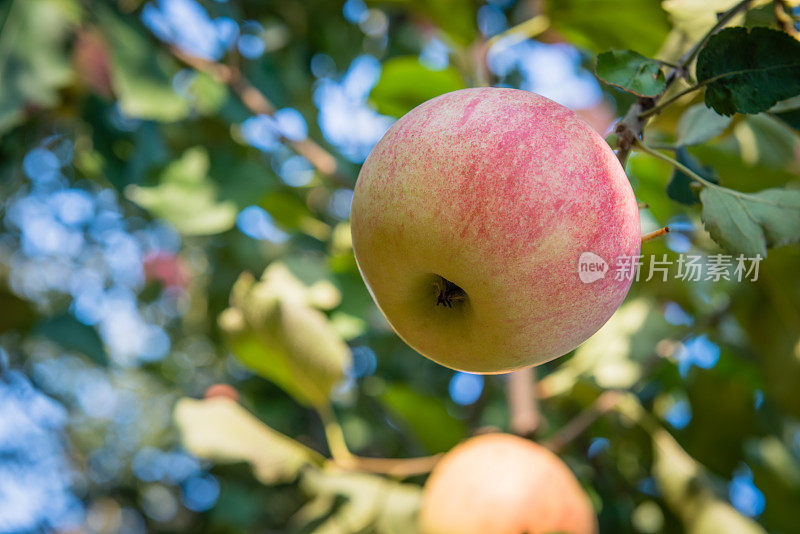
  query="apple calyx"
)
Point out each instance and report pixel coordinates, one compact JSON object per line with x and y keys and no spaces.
{"x":447,"y":293}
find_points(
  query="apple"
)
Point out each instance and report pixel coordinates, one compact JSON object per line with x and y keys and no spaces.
{"x":469,"y":219}
{"x":222,"y":390}
{"x":504,"y":484}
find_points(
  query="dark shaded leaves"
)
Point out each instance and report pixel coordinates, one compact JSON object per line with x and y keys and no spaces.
{"x":73,"y":335}
{"x":749,"y":71}
{"x":679,"y":187}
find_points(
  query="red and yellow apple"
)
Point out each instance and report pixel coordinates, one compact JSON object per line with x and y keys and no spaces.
{"x":504,"y":484}
{"x":468,"y":221}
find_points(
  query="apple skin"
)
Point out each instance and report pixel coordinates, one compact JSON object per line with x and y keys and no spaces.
{"x":497,"y":191}
{"x":504,"y":484}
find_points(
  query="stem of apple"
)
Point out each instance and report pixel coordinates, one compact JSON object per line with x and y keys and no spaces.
{"x":448,"y":293}
{"x":344,"y":459}
{"x":657,"y":233}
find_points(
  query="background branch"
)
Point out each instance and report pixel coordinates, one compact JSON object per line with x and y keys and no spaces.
{"x":396,"y":467}
{"x":523,"y":402}
{"x":257,"y":102}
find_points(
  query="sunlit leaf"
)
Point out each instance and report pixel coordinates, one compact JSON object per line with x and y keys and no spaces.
{"x":631,"y":72}
{"x":273,"y":330}
{"x":749,"y":71}
{"x":187,"y":197}
{"x":221,"y":430}
{"x":749,"y":223}
{"x":371,"y":503}
{"x":613,"y":356}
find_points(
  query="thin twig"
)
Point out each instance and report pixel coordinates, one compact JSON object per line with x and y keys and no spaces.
{"x":344,"y":459}
{"x":523,"y":403}
{"x":677,"y":96}
{"x":632,"y":129}
{"x":723,"y":19}
{"x":675,"y":163}
{"x":784,"y":18}
{"x":657,"y":233}
{"x":322,"y":160}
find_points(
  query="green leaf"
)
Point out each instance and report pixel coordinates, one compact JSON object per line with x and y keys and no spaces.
{"x":599,"y":25}
{"x":437,"y":430}
{"x":699,"y":124}
{"x":454,"y":17}
{"x":34,"y":60}
{"x":749,"y":223}
{"x":221,"y":430}
{"x":680,"y":185}
{"x":273,"y":330}
{"x":187,"y":197}
{"x":749,"y":71}
{"x":405,"y":83}
{"x":18,"y":314}
{"x":73,"y":335}
{"x":208,"y":94}
{"x":141,"y":74}
{"x":631,"y":72}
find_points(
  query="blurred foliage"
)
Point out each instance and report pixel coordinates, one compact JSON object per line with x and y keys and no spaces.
{"x":176,"y":178}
